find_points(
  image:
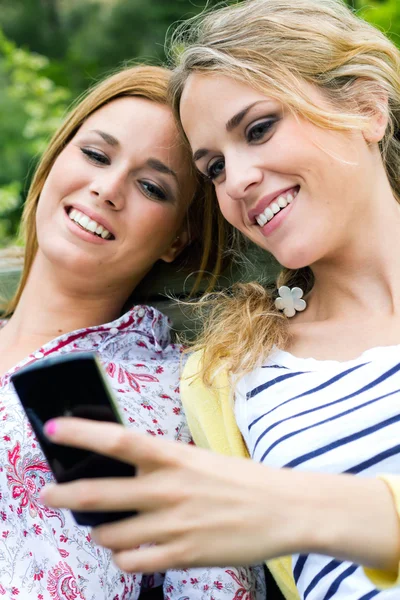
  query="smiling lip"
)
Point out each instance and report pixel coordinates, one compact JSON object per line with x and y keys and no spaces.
{"x":85,"y":235}
{"x":92,"y":215}
{"x":266,"y":201}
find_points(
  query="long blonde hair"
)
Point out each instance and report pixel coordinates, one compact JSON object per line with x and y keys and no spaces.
{"x":274,"y":46}
{"x":208,"y":232}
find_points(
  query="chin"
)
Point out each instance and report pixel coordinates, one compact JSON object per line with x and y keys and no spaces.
{"x":70,"y":258}
{"x":295,"y":259}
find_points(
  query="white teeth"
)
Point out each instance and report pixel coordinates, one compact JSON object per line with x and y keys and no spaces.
{"x":273,"y":209}
{"x":282,"y":202}
{"x":88,"y":224}
{"x":262,"y":219}
{"x":268,"y":213}
{"x":83,"y":221}
{"x":92,"y":225}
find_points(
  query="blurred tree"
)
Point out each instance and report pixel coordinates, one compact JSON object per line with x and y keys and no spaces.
{"x":31,"y":107}
{"x":35,"y":24}
{"x":118,"y":32}
{"x":85,"y":40}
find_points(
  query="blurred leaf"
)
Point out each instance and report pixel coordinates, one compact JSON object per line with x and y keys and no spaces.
{"x":31,"y":108}
{"x":9,"y":197}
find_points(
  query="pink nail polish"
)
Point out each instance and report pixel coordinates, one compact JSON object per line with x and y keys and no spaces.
{"x":50,"y":427}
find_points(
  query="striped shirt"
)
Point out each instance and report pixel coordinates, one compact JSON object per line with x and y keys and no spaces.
{"x":329,"y":416}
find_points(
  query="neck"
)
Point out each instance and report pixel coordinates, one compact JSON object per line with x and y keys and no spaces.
{"x":363,"y":277}
{"x":54,"y":302}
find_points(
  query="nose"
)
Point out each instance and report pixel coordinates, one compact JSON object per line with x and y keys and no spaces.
{"x":109,"y":187}
{"x":242,"y":175}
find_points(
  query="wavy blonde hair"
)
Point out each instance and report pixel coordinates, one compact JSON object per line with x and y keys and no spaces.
{"x":274,"y":46}
{"x":207,"y":229}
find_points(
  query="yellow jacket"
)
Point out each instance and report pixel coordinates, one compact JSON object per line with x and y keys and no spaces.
{"x":212,"y":422}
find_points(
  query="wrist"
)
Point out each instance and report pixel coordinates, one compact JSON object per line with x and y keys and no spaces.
{"x":344,"y":516}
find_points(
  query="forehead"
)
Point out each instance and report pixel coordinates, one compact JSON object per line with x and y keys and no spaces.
{"x":130,"y":117}
{"x":208,"y":88}
{"x":214,"y":98}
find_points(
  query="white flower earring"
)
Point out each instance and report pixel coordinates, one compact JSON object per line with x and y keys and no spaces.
{"x":289,"y":300}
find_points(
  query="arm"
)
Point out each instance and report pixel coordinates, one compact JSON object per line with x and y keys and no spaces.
{"x":353,"y":506}
{"x":253,"y":512}
{"x":388,"y":577}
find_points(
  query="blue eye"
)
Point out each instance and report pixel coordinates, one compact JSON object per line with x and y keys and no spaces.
{"x":95,"y":157}
{"x":153,"y":191}
{"x":215,"y":169}
{"x":257,"y":132}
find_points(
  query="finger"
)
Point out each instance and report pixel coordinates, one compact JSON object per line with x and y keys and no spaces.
{"x":97,"y":495}
{"x":146,"y":493}
{"x":145,"y":528}
{"x":113,"y":440}
{"x":153,"y":559}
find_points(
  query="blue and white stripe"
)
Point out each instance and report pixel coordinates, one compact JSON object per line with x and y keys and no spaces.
{"x":331,"y":417}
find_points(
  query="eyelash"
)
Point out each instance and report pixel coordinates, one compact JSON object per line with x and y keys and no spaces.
{"x":210,"y":174}
{"x":159,"y":193}
{"x":95,"y":157}
{"x":266,"y":126}
{"x":101,"y":159}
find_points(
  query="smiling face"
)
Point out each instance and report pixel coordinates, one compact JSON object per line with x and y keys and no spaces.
{"x":116,"y":197}
{"x":296,"y":190}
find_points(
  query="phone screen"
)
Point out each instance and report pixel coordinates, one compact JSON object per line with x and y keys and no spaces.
{"x":71,"y":385}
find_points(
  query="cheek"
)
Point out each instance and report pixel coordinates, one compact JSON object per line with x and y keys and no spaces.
{"x":58,"y":185}
{"x":229,"y":208}
{"x":68,"y":174}
{"x":46,"y":202}
{"x":154,"y":222}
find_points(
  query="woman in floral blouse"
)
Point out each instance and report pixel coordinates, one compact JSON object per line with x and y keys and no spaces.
{"x":109,"y":200}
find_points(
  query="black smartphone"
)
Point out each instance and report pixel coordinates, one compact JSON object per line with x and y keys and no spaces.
{"x":72,"y":385}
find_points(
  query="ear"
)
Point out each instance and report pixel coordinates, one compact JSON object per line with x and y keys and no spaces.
{"x":176,"y":247}
{"x":378,"y":122}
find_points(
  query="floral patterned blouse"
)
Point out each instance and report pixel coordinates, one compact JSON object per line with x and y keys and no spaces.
{"x":44,"y":554}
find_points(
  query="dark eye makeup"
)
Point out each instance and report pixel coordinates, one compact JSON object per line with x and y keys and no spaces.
{"x":215,"y":169}
{"x":98,"y":158}
{"x":153,"y":191}
{"x":257,"y":131}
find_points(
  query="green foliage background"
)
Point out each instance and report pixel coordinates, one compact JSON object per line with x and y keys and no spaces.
{"x":51,"y":50}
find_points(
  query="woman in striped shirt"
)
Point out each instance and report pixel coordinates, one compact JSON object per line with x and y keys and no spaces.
{"x":302,"y":148}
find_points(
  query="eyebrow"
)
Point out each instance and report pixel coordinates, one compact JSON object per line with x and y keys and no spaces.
{"x":199,"y":154}
{"x":238,"y":118}
{"x":159,"y":166}
{"x":230,"y":125}
{"x":107,"y":137}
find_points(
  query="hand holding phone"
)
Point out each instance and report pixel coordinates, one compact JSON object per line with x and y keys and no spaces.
{"x":72,"y":385}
